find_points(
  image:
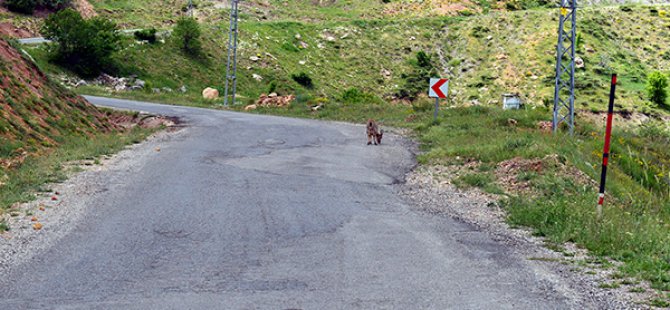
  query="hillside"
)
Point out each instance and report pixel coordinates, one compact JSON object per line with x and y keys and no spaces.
{"x":37,"y":113}
{"x":44,"y":126}
{"x":484,"y":55}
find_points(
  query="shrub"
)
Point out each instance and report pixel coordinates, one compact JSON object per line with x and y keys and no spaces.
{"x":416,"y":81}
{"x":148,"y":35}
{"x":303,"y":79}
{"x":56,"y":4}
{"x":21,"y":6}
{"x":355,"y":96}
{"x":657,"y":83}
{"x":28,"y":6}
{"x":85,"y":46}
{"x":187,"y":34}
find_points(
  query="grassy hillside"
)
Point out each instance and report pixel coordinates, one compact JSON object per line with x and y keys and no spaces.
{"x":43,"y":125}
{"x":483,"y":55}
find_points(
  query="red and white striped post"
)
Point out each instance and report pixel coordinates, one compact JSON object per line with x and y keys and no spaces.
{"x":606,"y":149}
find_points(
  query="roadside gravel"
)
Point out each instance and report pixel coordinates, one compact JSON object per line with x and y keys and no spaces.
{"x":59,"y":210}
{"x":430,"y":189}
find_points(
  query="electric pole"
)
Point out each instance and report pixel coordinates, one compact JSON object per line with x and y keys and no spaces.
{"x":231,"y":67}
{"x":564,"y":94}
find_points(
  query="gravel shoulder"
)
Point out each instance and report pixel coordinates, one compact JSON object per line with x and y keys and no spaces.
{"x":60,"y":210}
{"x":570,"y":269}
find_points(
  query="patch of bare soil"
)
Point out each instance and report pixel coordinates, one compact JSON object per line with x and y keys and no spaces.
{"x":129,"y":121}
{"x":510,"y":173}
{"x":624,"y":118}
{"x":84,"y":8}
{"x":11,"y":31}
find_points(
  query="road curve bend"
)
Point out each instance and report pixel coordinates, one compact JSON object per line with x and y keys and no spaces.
{"x":242,"y":211}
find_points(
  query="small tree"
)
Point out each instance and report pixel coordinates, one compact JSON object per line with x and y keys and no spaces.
{"x":187,"y":35}
{"x":85,"y":46}
{"x":657,"y":83}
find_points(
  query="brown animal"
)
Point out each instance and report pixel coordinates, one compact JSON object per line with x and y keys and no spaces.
{"x":374,"y":133}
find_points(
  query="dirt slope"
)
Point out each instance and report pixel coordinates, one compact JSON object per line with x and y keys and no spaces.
{"x":36,"y":113}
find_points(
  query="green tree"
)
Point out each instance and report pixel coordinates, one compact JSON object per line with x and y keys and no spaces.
{"x":187,"y":35}
{"x":657,"y":84}
{"x":85,"y":46}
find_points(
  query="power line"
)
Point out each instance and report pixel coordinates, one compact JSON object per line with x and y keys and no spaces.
{"x":564,"y":94}
{"x":232,"y":51}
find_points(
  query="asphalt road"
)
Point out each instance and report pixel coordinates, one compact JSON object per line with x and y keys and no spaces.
{"x":257,"y":212}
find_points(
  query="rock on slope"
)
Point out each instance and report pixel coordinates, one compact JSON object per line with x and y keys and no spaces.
{"x":36,"y":113}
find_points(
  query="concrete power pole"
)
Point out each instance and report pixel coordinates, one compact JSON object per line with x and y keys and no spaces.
{"x":564,"y":95}
{"x":231,"y":67}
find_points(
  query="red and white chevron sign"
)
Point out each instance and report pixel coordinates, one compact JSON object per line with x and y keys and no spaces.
{"x":439,"y":88}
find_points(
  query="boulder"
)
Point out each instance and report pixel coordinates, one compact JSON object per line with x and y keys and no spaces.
{"x":579,"y":63}
{"x":250,"y":107}
{"x":210,"y":93}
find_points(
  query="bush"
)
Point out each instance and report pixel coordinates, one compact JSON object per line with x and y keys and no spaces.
{"x":657,"y":83}
{"x":56,"y":4}
{"x":416,"y":81}
{"x":21,"y":6}
{"x":28,"y":6}
{"x":187,"y":34}
{"x":303,"y":79}
{"x":148,"y":35}
{"x":85,"y":46}
{"x":355,"y":96}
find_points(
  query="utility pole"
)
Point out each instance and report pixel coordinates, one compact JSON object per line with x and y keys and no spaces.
{"x":564,"y":94}
{"x":232,"y":52}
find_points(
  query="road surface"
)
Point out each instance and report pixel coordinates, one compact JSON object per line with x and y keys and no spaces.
{"x":242,"y":211}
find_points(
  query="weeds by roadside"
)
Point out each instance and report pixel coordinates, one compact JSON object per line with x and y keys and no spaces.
{"x":22,"y":183}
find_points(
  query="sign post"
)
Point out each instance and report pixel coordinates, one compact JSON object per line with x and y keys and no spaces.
{"x":439,"y":88}
{"x":606,"y":149}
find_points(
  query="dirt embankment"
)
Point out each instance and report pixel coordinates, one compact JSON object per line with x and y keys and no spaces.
{"x":37,"y":114}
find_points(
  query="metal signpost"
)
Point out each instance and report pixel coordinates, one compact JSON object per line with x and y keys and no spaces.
{"x":232,"y":51}
{"x":564,"y":94}
{"x":439,"y":88}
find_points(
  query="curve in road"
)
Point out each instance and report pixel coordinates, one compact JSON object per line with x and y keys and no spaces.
{"x":242,"y":211}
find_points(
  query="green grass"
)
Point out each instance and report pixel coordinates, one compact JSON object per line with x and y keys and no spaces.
{"x":364,"y":48}
{"x":635,"y":227}
{"x":35,"y":172}
{"x":485,"y":181}
{"x":609,"y":285}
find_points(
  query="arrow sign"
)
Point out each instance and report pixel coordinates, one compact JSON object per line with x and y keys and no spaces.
{"x":439,"y":88}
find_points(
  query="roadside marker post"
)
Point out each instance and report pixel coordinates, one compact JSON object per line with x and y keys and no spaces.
{"x":439,"y":88}
{"x":606,"y":148}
